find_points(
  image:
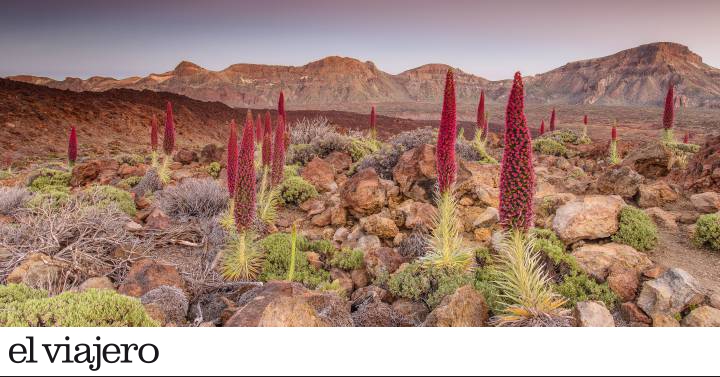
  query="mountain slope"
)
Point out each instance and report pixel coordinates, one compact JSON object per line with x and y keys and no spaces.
{"x":637,"y":76}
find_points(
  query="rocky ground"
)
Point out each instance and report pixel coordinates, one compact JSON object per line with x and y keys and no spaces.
{"x":376,"y":211}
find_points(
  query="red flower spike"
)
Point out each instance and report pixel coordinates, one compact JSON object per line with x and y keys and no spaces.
{"x":552,"y":120}
{"x":278,"y":154}
{"x":169,"y":138}
{"x":445,"y":152}
{"x":585,"y":120}
{"x":232,"y":159}
{"x":72,"y":146}
{"x":542,"y":127}
{"x":669,"y":113}
{"x":517,"y":176}
{"x":481,"y":113}
{"x":154,"y":134}
{"x":245,"y":189}
{"x":267,"y":141}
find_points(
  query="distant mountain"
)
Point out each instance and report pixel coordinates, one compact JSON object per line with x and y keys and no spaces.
{"x":637,"y":76}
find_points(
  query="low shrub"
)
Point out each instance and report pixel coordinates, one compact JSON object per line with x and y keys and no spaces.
{"x":276,"y":262}
{"x":214,"y":169}
{"x":347,"y":259}
{"x":91,"y":308}
{"x":550,"y":147}
{"x":104,"y":196}
{"x":707,"y":232}
{"x":484,"y":283}
{"x":295,"y":190}
{"x":53,"y":196}
{"x":361,"y":147}
{"x":129,"y":182}
{"x":636,"y":229}
{"x":131,"y":159}
{"x":431,"y":285}
{"x":385,"y":159}
{"x":577,"y":287}
{"x":194,"y":198}
{"x":291,"y":170}
{"x":148,"y":184}
{"x":47,"y":178}
{"x":301,"y":154}
{"x":12,"y":199}
{"x":305,"y":131}
{"x":414,"y":245}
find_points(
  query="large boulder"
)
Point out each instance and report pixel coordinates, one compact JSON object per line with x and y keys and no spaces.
{"x":704,"y":316}
{"x":418,"y":215}
{"x":186,"y":156}
{"x":363,"y":194}
{"x":590,"y":218}
{"x":592,"y":314}
{"x":375,"y":313}
{"x":340,"y":161}
{"x":621,"y":181}
{"x":286,"y":304}
{"x":662,"y":218}
{"x":380,"y":226}
{"x":464,"y":308}
{"x":415,"y":172}
{"x":321,"y":174}
{"x":598,"y":260}
{"x":94,"y":171}
{"x":656,"y":194}
{"x":167,"y":305}
{"x":706,"y":202}
{"x":383,"y":259}
{"x":39,"y":271}
{"x":670,"y":294}
{"x":651,"y":161}
{"x":146,"y":275}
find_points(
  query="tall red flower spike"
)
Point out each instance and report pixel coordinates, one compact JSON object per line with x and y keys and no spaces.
{"x":613,"y":133}
{"x":373,"y":123}
{"x":249,"y":121}
{"x":585,"y":119}
{"x":232,"y":159}
{"x":542,"y":127}
{"x":154,"y":134}
{"x":669,"y":113}
{"x":258,"y":129}
{"x":245,"y":189}
{"x":281,"y":104}
{"x":169,"y":138}
{"x":481,"y":112}
{"x":72,"y":146}
{"x":267,"y":141}
{"x":686,"y":138}
{"x":278,"y":154}
{"x":552,"y":120}
{"x":445,"y":152}
{"x":517,"y":176}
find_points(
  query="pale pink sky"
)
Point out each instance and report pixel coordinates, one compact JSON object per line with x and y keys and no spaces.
{"x":488,"y":38}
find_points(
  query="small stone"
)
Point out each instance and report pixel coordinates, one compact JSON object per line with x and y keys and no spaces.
{"x":593,"y":314}
{"x":704,"y":316}
{"x":632,"y":313}
{"x":488,"y":218}
{"x":102,"y":282}
{"x":132,"y":226}
{"x":664,"y":320}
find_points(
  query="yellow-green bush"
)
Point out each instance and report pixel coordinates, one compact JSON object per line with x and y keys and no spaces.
{"x":129,"y":182}
{"x":131,"y":159}
{"x":431,"y":285}
{"x":361,"y":147}
{"x":295,"y":190}
{"x":49,"y":178}
{"x":707,"y":232}
{"x":214,"y":169}
{"x":636,"y":229}
{"x":21,"y":306}
{"x":54,"y":196}
{"x":550,"y":147}
{"x":577,"y":287}
{"x":276,"y":262}
{"x":347,"y":259}
{"x":104,"y":196}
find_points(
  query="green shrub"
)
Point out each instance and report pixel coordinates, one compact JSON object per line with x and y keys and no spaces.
{"x":6,"y":174}
{"x":277,"y":261}
{"x":53,"y":196}
{"x":548,"y":243}
{"x":323,"y":247}
{"x":24,"y":307}
{"x":332,"y":287}
{"x":49,"y":178}
{"x":636,"y":229}
{"x":348,"y":259}
{"x":550,"y":147}
{"x":214,"y":169}
{"x":431,"y":285}
{"x":361,"y":147}
{"x":445,"y":285}
{"x":129,"y":182}
{"x":131,"y":159}
{"x":484,"y":283}
{"x":295,"y":190}
{"x":707,"y":232}
{"x":103,"y":196}
{"x":291,"y":170}
{"x":577,"y":287}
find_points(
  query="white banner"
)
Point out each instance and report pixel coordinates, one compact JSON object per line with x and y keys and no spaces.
{"x":357,"y":351}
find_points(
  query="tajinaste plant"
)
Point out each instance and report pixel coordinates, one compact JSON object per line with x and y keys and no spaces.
{"x":228,"y":220}
{"x":373,"y":124}
{"x":686,"y":138}
{"x":517,"y":177}
{"x":542,"y":127}
{"x":614,"y":155}
{"x":278,"y":155}
{"x":446,"y":249}
{"x":281,"y":112}
{"x":259,"y":129}
{"x":168,"y":145}
{"x":267,"y":142}
{"x":72,"y":147}
{"x":669,"y":116}
{"x":154,"y":140}
{"x":481,"y":115}
{"x":552,"y":120}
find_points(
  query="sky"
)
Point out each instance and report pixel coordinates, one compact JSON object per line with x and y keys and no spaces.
{"x":492,"y":39}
